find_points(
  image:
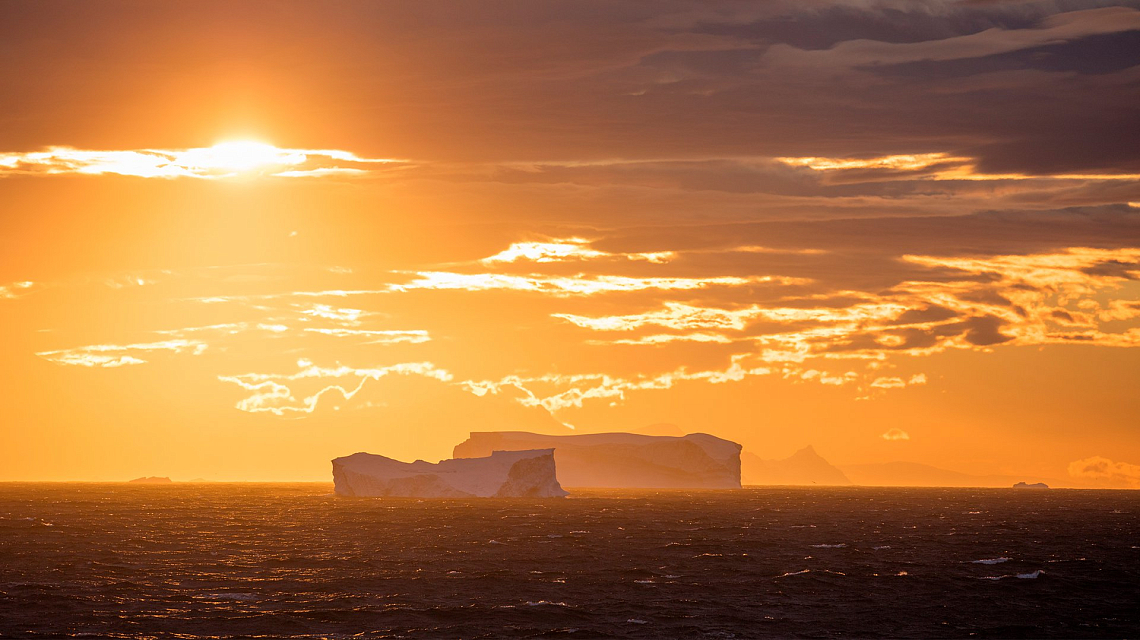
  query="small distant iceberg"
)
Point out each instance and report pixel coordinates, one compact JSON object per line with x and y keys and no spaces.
{"x":1026,"y":485}
{"x":503,"y":474}
{"x":151,"y":480}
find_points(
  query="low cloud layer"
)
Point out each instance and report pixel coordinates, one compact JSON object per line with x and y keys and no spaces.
{"x":1101,"y":471}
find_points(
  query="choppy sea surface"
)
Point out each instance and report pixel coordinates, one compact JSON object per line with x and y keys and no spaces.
{"x":290,"y":560}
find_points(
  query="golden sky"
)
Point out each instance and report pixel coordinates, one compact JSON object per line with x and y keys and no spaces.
{"x":240,"y":241}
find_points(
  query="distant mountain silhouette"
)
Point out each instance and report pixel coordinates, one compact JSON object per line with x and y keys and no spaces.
{"x":914,"y":474}
{"x":151,"y":480}
{"x":803,"y":467}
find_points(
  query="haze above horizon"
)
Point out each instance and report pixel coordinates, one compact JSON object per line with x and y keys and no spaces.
{"x":895,"y":233}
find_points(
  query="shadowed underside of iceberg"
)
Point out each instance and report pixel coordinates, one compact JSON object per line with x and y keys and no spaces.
{"x":502,"y":474}
{"x":624,"y":460}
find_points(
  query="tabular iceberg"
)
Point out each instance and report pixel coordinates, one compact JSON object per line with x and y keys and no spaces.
{"x":502,"y":474}
{"x":624,"y":460}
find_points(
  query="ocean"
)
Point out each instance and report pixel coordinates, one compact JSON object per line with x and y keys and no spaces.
{"x":291,"y":560}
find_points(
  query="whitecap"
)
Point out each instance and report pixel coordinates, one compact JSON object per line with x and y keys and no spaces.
{"x":546,"y":603}
{"x":637,"y":621}
{"x":990,"y":560}
{"x":829,"y":546}
{"x":794,"y":573}
{"x":1033,"y":575}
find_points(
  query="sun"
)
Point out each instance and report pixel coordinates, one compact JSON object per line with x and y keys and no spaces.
{"x":240,"y":156}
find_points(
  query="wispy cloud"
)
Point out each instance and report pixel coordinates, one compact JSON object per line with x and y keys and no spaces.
{"x":577,"y":388}
{"x":575,"y":286}
{"x":375,"y":336}
{"x":939,"y":166}
{"x":278,"y":393}
{"x":112,"y":355}
{"x":1061,"y":297}
{"x":567,"y":249}
{"x":223,"y":160}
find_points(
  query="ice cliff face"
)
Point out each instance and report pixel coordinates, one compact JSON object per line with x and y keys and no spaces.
{"x":501,"y":474}
{"x":624,"y":460}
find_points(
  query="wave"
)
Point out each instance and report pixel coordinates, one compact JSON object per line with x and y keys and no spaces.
{"x":991,"y":560}
{"x":232,"y":596}
{"x":1032,"y":575}
{"x":794,"y":573}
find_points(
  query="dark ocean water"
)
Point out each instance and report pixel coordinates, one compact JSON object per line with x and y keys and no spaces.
{"x":290,"y":560}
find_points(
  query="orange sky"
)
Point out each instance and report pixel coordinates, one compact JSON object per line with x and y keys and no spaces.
{"x":428,"y":219}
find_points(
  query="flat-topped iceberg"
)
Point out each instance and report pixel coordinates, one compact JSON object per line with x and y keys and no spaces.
{"x":502,"y":474}
{"x":624,"y":460}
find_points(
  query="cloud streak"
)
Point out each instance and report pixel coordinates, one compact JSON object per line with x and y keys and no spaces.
{"x":223,"y":160}
{"x":112,"y":355}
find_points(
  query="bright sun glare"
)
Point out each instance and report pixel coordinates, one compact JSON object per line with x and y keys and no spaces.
{"x":240,"y":155}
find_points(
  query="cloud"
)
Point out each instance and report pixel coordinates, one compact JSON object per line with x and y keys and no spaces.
{"x":1103,"y":471}
{"x":15,"y":290}
{"x":893,"y":163}
{"x":411,"y":336}
{"x":111,"y":355}
{"x":938,"y":166}
{"x":975,"y":302}
{"x":566,"y":249}
{"x":223,"y":160}
{"x":1062,"y":27}
{"x":572,"y":286}
{"x":329,"y":312}
{"x":895,"y":434}
{"x":577,"y":388}
{"x":277,"y":393}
